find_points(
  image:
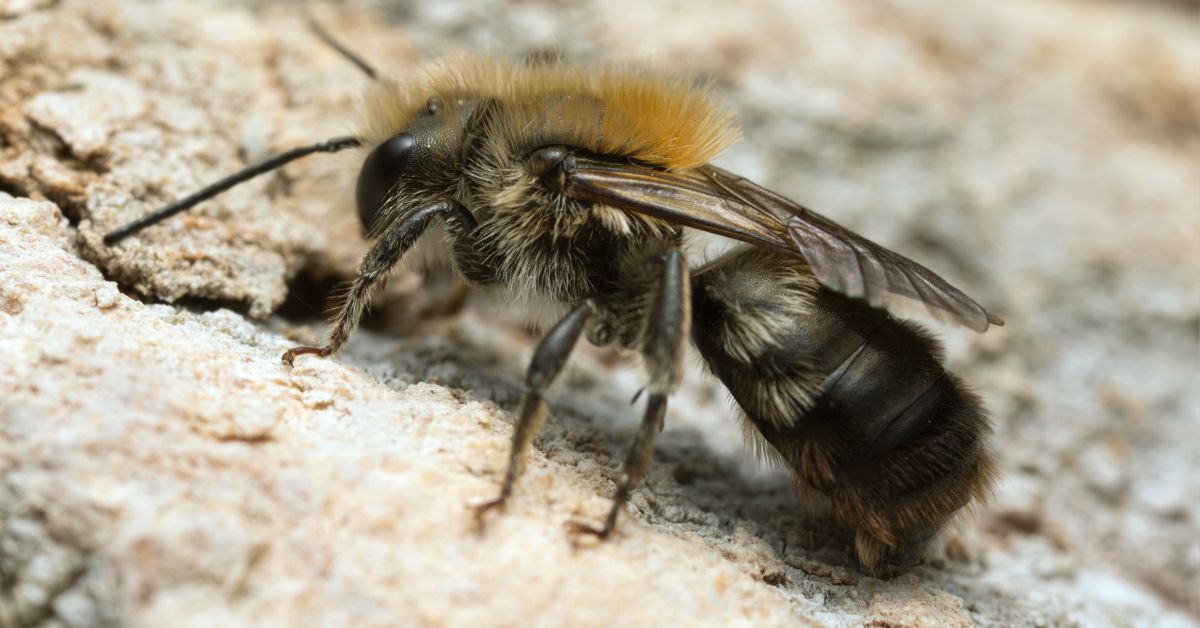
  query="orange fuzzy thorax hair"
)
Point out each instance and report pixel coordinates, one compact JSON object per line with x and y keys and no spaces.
{"x":669,"y":122}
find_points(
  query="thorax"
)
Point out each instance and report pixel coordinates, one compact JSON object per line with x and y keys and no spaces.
{"x":535,"y":244}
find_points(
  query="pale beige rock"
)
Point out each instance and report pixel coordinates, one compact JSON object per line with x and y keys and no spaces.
{"x":13,"y":8}
{"x":276,"y":496}
{"x":159,"y":466}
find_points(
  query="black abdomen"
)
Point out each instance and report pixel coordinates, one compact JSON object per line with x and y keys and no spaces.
{"x":855,"y":401}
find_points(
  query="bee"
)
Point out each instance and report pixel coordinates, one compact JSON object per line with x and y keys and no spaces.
{"x":578,"y":193}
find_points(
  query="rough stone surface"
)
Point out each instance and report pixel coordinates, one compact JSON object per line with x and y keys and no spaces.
{"x":159,"y":466}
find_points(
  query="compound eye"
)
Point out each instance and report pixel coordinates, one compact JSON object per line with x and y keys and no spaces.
{"x":378,"y":177}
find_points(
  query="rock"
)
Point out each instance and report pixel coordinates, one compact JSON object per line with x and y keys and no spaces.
{"x":159,"y":465}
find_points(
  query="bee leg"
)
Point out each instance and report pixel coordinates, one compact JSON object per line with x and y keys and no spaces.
{"x":378,"y":262}
{"x":668,"y":320}
{"x":636,"y":462}
{"x":548,"y":360}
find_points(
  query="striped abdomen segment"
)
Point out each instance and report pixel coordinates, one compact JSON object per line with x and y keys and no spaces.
{"x":855,"y":401}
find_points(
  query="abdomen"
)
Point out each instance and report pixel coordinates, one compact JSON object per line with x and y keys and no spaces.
{"x":855,"y":401}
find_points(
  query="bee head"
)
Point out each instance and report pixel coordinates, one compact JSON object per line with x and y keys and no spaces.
{"x":420,"y":161}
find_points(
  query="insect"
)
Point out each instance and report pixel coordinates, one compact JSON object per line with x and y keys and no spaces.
{"x":576,"y":194}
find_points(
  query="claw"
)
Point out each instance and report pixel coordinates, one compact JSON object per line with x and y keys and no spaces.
{"x":483,"y":508}
{"x":289,"y":356}
{"x":580,"y":528}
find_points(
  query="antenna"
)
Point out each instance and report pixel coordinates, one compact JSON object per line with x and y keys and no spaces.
{"x":267,"y":165}
{"x":241,"y":176}
{"x":329,"y":39}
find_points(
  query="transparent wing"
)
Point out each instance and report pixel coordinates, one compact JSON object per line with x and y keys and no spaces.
{"x":717,"y":201}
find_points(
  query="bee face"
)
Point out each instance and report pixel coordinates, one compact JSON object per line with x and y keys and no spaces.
{"x":406,"y":164}
{"x":378,"y":176}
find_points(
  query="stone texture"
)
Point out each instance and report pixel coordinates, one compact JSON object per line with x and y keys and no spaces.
{"x":159,"y":466}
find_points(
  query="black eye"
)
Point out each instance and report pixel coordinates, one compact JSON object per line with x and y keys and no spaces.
{"x":433,"y":105}
{"x":378,"y":176}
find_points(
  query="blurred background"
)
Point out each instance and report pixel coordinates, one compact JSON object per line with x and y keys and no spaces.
{"x":1043,"y":155}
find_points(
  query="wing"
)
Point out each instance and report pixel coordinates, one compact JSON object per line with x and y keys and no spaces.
{"x":714,"y":200}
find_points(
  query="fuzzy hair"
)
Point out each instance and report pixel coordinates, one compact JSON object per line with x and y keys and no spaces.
{"x":764,"y":297}
{"x":750,"y":330}
{"x":669,"y":122}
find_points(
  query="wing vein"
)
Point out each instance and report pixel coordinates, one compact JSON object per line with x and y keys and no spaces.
{"x":714,"y":200}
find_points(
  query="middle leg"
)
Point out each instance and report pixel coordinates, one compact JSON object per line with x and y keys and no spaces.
{"x":548,"y":360}
{"x":664,"y":327}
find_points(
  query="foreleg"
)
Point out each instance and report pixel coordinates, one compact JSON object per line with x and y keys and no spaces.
{"x":385,"y":253}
